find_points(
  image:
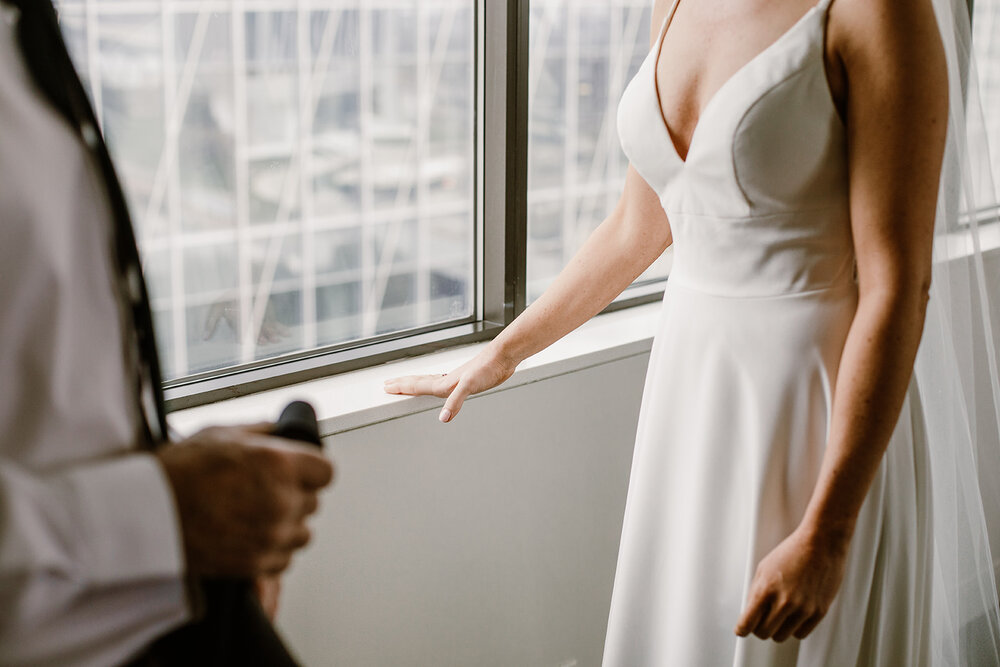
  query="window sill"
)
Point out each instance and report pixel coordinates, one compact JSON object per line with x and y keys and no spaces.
{"x":355,"y":399}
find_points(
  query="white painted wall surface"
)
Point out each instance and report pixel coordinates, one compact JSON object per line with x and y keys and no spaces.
{"x":490,"y":541}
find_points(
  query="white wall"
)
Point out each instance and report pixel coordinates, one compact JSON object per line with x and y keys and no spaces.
{"x":488,"y":541}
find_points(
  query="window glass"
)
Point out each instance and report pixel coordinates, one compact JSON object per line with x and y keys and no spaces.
{"x":299,"y":176}
{"x":583,"y":54}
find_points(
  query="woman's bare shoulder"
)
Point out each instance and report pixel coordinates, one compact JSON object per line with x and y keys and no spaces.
{"x":882,"y":34}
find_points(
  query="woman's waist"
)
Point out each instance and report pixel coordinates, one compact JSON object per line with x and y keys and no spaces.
{"x":790,"y":326}
{"x":844,"y":289}
{"x":750,"y":271}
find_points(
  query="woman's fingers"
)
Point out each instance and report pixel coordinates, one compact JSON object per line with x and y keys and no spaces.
{"x":773,"y":621}
{"x":455,"y":401}
{"x":793,"y":621}
{"x":757,"y":609}
{"x":411,"y":385}
{"x":769,"y":621}
{"x":442,"y":386}
{"x":803,"y":630}
{"x":420,"y":385}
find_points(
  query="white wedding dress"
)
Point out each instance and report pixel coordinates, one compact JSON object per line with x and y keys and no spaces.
{"x":737,"y":402}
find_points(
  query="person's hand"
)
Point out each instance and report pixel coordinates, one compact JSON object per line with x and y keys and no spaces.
{"x":485,"y":371}
{"x":243,"y":497}
{"x":267,"y":588}
{"x":793,"y":587}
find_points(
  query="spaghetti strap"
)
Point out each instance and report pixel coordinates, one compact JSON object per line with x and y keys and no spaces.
{"x":668,"y":19}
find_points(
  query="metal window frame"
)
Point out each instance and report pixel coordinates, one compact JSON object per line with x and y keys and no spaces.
{"x":502,"y":52}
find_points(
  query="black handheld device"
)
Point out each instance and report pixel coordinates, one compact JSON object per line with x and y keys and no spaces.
{"x":298,"y":422}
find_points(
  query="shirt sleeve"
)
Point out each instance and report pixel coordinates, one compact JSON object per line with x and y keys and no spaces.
{"x":91,"y":562}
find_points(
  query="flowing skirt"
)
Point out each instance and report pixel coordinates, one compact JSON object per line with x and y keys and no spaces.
{"x":732,"y":433}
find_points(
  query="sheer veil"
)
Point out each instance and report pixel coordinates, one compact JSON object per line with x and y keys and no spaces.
{"x":957,"y":372}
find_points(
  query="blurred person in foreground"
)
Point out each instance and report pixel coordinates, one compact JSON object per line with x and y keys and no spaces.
{"x":105,"y":532}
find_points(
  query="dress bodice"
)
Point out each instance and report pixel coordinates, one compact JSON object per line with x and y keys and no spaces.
{"x":760,"y":206}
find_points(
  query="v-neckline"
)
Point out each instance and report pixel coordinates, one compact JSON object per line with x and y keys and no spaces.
{"x":658,"y":51}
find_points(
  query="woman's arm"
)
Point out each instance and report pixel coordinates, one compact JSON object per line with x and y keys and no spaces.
{"x":896,"y":116}
{"x":620,"y":249}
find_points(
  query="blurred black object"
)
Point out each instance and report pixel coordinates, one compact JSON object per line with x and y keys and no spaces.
{"x":233,"y":630}
{"x":298,"y":422}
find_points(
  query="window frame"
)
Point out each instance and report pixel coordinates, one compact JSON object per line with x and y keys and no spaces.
{"x":500,"y":236}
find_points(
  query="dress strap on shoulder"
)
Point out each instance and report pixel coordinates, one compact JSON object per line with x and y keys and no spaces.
{"x":668,"y":19}
{"x":823,"y":5}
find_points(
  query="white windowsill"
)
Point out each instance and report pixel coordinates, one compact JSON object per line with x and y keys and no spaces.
{"x":356,"y":399}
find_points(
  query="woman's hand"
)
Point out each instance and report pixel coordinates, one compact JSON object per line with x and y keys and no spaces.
{"x":485,"y":371}
{"x":793,"y":587}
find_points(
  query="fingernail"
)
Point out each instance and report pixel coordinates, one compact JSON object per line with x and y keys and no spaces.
{"x":445,"y":416}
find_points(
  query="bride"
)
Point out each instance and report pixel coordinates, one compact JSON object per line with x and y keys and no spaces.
{"x":784,"y":505}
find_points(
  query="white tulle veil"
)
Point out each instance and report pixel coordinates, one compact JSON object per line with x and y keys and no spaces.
{"x":957,"y":371}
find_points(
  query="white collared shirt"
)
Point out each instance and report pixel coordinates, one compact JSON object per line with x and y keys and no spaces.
{"x":91,"y":559}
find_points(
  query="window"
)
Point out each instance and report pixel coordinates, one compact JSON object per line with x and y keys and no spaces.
{"x":583,"y":54}
{"x":301,"y":175}
{"x":308,"y":178}
{"x":319,"y":186}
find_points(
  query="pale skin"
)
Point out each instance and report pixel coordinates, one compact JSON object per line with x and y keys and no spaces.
{"x":887,"y":76}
